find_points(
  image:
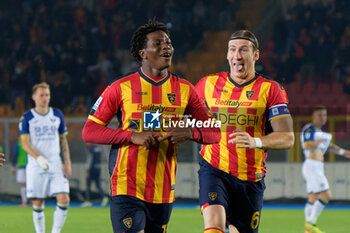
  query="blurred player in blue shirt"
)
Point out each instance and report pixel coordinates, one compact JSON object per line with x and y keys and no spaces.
{"x":43,"y":136}
{"x":315,"y":143}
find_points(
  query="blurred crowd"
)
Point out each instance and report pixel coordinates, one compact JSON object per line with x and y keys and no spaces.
{"x":79,"y":46}
{"x":313,"y":40}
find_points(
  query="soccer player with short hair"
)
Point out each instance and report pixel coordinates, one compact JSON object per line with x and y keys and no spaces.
{"x":315,"y":143}
{"x":249,"y":105}
{"x":143,"y":157}
{"x":43,"y":135}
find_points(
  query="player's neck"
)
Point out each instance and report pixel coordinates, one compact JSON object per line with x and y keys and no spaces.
{"x":242,"y":80}
{"x":154,"y":72}
{"x":316,"y":125}
{"x":41,"y":110}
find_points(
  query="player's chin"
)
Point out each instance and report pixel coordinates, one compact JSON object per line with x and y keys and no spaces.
{"x":163,"y":67}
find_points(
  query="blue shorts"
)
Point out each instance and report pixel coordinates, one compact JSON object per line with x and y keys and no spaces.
{"x":130,"y":215}
{"x":242,"y":200}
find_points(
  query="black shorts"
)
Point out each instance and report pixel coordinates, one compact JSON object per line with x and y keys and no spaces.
{"x":242,"y":200}
{"x":130,"y":215}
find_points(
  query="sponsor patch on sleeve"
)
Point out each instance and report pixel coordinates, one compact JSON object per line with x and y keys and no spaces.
{"x":97,"y":103}
{"x":278,"y":111}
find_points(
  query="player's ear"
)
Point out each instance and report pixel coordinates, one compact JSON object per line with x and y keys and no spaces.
{"x":256,"y":55}
{"x":142,"y":54}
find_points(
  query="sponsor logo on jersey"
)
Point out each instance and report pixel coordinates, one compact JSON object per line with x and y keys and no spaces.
{"x":237,"y":119}
{"x":154,"y":108}
{"x":232,"y":103}
{"x":134,"y":124}
{"x":151,"y":120}
{"x":141,"y":93}
{"x":221,"y":90}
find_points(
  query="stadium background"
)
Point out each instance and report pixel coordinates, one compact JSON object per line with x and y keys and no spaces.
{"x":78,"y":47}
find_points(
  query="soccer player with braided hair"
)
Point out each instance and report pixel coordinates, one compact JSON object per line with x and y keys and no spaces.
{"x":143,"y":157}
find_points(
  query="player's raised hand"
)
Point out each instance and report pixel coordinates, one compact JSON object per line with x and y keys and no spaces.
{"x":243,"y":139}
{"x":145,"y":139}
{"x":177,"y":135}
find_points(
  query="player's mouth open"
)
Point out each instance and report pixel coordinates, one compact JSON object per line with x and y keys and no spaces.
{"x":238,"y":67}
{"x":166,"y":55}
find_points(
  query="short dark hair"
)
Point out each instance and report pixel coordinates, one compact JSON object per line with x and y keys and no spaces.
{"x":318,"y":108}
{"x":139,"y":38}
{"x":246,"y":35}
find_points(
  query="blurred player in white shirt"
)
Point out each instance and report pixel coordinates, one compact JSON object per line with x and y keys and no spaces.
{"x":43,"y":135}
{"x":315,"y":143}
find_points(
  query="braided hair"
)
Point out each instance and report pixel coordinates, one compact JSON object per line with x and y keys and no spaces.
{"x":139,"y":38}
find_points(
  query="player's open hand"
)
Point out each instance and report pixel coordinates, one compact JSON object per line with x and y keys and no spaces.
{"x":145,"y":139}
{"x":177,"y":135}
{"x":2,"y":159}
{"x":242,"y":139}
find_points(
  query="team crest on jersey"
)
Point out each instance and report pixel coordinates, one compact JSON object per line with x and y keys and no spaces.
{"x":249,"y":94}
{"x":213,"y":195}
{"x":171,"y":97}
{"x":127,"y":222}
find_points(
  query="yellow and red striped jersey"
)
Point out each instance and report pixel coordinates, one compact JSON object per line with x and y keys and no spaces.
{"x":248,"y":107}
{"x":140,"y":103}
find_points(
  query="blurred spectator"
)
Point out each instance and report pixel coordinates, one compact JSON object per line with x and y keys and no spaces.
{"x":19,"y":163}
{"x":18,"y":84}
{"x":93,"y":173}
{"x":4,"y":83}
{"x":104,"y":67}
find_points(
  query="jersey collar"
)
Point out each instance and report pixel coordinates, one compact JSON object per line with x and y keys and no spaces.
{"x":242,"y":84}
{"x":157,"y":81}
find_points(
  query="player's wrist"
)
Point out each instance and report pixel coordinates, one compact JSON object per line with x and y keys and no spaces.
{"x":341,"y":152}
{"x":258,"y":143}
{"x":44,"y":164}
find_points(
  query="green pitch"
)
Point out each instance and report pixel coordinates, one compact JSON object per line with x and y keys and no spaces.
{"x":19,"y":220}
